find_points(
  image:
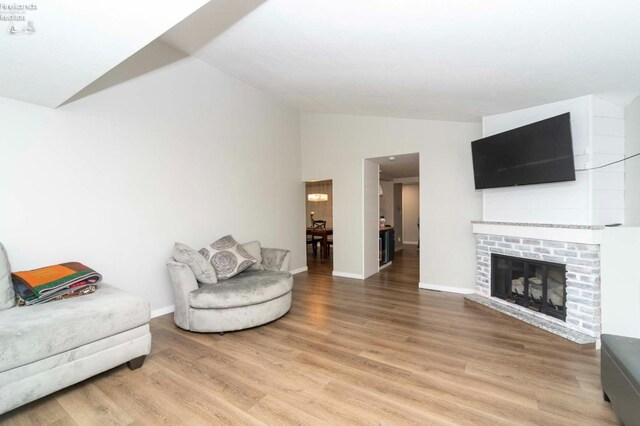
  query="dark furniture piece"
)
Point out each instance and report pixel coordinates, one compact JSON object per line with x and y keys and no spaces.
{"x":314,"y":240}
{"x":314,"y":243}
{"x":620,"y":376}
{"x":323,"y":233}
{"x":387,"y":244}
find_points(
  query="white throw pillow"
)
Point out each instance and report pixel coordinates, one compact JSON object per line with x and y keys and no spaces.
{"x":255,"y":250}
{"x":227,"y":257}
{"x":201,"y":268}
{"x":7,"y":295}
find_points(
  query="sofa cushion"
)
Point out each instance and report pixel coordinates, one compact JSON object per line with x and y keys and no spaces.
{"x":248,"y":288}
{"x":255,"y":250}
{"x":200,"y":267}
{"x":227,"y":257}
{"x":7,"y":295}
{"x":32,"y":333}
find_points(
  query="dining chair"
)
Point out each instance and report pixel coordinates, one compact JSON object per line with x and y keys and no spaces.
{"x":315,"y":240}
{"x":320,"y":224}
{"x":314,"y":243}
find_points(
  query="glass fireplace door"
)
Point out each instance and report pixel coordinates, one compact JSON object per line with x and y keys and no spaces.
{"x":539,"y":286}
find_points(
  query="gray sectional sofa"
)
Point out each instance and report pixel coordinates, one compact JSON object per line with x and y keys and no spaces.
{"x":249,"y":299}
{"x":47,"y":347}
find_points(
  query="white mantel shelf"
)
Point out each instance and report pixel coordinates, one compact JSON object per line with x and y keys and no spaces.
{"x":539,"y":225}
{"x":581,"y":234}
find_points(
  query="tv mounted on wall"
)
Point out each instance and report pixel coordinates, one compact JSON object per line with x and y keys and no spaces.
{"x":541,"y":152}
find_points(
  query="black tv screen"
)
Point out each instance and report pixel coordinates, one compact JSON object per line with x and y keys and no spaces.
{"x":541,"y":152}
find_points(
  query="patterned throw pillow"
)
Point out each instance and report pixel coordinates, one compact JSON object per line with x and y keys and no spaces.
{"x":227,"y":257}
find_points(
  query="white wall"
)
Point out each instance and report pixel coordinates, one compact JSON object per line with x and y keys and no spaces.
{"x":448,"y":247}
{"x":632,"y":175}
{"x":183,"y":153}
{"x":596,"y":197}
{"x":620,"y":286}
{"x":397,"y":214}
{"x":371,"y":218}
{"x":608,"y":145}
{"x":386,"y":202}
{"x":410,"y":213}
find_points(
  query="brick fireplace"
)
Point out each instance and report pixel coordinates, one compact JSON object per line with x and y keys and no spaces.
{"x":562,"y":249}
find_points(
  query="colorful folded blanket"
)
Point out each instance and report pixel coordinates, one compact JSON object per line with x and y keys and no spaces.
{"x":74,"y":293}
{"x":51,"y":282}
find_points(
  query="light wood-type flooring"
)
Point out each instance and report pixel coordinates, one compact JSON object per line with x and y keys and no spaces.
{"x":349,"y":352}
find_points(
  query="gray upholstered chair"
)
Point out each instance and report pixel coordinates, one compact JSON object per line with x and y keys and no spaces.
{"x":249,"y":299}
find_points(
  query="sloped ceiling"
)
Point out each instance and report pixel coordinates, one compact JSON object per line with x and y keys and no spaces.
{"x":451,"y":60}
{"x":75,"y":42}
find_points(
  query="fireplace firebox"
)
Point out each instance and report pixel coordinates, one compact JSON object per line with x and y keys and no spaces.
{"x":539,"y":286}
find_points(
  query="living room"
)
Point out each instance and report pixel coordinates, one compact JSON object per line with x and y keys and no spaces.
{"x":194,"y":121}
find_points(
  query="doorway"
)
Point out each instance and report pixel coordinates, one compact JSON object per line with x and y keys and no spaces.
{"x":319,"y":222}
{"x":391,"y":210}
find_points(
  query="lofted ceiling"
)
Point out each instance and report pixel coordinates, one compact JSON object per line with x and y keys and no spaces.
{"x":75,"y":42}
{"x":449,"y":60}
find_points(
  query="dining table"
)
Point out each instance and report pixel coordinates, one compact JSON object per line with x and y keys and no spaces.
{"x":323,"y":232}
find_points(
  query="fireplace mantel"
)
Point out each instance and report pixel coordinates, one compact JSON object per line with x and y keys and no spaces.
{"x":581,"y":234}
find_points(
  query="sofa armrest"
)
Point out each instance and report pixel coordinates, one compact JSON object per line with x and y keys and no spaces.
{"x":274,"y":259}
{"x":184,"y":282}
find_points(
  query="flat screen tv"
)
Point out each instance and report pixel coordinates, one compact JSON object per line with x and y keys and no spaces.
{"x":541,"y":152}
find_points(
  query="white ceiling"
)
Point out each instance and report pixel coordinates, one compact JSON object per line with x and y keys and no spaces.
{"x":402,"y":166}
{"x":76,"y":42}
{"x":451,"y":60}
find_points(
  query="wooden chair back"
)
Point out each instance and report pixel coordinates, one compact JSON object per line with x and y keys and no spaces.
{"x":320,"y":224}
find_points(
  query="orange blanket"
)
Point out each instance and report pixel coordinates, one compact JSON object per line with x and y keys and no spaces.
{"x":51,"y":282}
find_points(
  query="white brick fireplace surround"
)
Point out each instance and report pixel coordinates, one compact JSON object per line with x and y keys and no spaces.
{"x":576,"y":246}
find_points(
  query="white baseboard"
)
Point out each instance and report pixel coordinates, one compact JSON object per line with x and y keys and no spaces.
{"x":299,"y":270}
{"x":413,"y":243}
{"x":347,"y":275}
{"x":162,"y":311}
{"x":446,"y":288}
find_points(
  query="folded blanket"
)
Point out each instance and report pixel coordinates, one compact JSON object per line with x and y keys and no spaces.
{"x":74,"y":292}
{"x":45,"y":284}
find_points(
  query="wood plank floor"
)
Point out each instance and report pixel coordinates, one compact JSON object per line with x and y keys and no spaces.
{"x":348,"y":352}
